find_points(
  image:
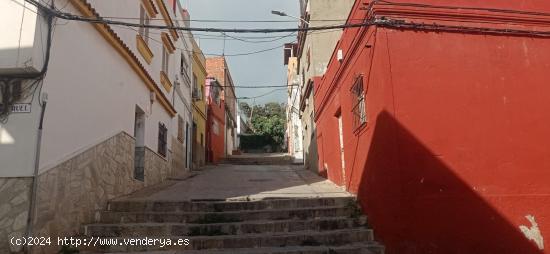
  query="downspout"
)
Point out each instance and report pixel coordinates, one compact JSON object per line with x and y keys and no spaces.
{"x":34,"y":188}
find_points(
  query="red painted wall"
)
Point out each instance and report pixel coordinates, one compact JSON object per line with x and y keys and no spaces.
{"x":455,"y":154}
{"x":215,"y":143}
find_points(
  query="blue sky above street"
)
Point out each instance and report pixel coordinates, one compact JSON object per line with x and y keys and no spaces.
{"x":260,"y":69}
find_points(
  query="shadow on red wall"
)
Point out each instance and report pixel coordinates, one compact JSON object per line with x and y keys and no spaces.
{"x":416,"y":204}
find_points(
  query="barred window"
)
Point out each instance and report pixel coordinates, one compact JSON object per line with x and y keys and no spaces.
{"x":359,"y":107}
{"x":163,"y":139}
{"x":184,"y":67}
{"x":180,"y":129}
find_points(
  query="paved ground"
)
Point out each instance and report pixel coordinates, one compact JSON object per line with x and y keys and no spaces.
{"x":242,"y":182}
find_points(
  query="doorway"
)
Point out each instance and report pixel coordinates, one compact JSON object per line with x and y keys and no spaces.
{"x":195,"y":146}
{"x":341,"y":141}
{"x":139,"y":135}
{"x":187,"y":146}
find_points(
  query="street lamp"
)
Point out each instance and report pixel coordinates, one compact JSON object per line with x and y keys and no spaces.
{"x":284,"y":14}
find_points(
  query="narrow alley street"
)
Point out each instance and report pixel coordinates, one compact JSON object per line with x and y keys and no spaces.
{"x":284,"y":126}
{"x":242,"y":183}
{"x":267,"y":206}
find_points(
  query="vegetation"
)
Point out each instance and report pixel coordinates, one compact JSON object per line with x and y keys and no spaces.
{"x":267,"y":124}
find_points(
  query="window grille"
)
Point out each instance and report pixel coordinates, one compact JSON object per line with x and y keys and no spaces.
{"x":163,"y":138}
{"x":184,"y":67}
{"x":180,"y":129}
{"x":139,"y":163}
{"x":359,"y":107}
{"x":197,"y":92}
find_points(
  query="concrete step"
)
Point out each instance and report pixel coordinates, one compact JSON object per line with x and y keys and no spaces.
{"x":209,"y":206}
{"x":256,"y":160}
{"x":237,"y":228}
{"x":300,"y":238}
{"x":109,"y":217}
{"x":366,"y":248}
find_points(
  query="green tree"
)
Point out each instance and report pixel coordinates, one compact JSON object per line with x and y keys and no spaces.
{"x":269,"y":120}
{"x":246,"y":109}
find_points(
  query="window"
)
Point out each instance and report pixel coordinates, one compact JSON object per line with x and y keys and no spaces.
{"x":163,"y":139}
{"x":165,"y":60}
{"x":197,"y":95}
{"x":303,"y":78}
{"x":312,"y":123}
{"x":215,"y":93}
{"x":215,"y":127}
{"x":144,"y":20}
{"x":183,"y":65}
{"x":308,"y":57}
{"x":359,"y":107}
{"x":180,"y":129}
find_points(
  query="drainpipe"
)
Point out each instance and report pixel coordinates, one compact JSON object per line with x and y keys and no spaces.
{"x":34,"y":188}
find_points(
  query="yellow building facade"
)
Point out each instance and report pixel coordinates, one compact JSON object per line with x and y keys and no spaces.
{"x":199,"y":106}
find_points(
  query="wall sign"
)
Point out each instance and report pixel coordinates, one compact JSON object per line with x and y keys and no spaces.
{"x":21,"y":108}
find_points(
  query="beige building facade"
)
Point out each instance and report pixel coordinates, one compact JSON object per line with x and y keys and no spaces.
{"x":313,"y":53}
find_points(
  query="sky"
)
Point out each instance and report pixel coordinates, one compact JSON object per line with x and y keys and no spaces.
{"x":259,"y":69}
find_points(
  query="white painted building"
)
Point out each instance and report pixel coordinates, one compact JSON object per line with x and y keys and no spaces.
{"x":293,"y":122}
{"x":116,"y":104}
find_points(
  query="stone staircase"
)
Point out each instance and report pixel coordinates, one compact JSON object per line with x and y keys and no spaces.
{"x":248,"y":159}
{"x":289,"y":226}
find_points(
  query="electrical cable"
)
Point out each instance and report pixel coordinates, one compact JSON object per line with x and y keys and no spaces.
{"x":264,"y":41}
{"x":9,"y":82}
{"x":259,"y":96}
{"x":231,"y":21}
{"x":208,"y":54}
{"x":384,"y":2}
{"x":257,"y":87}
{"x":100,"y":20}
{"x":233,"y":38}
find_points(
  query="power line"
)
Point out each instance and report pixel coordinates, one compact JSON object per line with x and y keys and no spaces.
{"x":251,"y":39}
{"x":264,"y":41}
{"x":258,"y":87}
{"x":231,"y":21}
{"x":259,"y":96}
{"x":255,"y":52}
{"x":208,"y":54}
{"x":100,"y":20}
{"x":384,"y":2}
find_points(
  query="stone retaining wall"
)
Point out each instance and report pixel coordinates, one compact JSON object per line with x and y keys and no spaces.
{"x":72,"y":193}
{"x":14,"y":205}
